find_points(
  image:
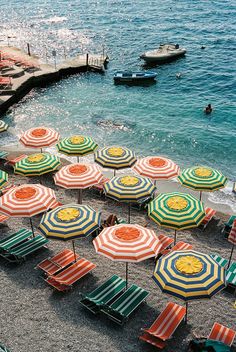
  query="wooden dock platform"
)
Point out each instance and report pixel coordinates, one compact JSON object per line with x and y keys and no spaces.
{"x":31,"y":72}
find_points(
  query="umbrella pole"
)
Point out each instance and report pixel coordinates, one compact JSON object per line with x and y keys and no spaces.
{"x":126,"y":275}
{"x":114,"y":172}
{"x":32,"y":228}
{"x":175,"y":237}
{"x":231,"y":254}
{"x":200,"y":198}
{"x":80,"y":196}
{"x":129,"y":210}
{"x":77,"y":159}
{"x":186,"y":315}
{"x":41,"y":149}
{"x":73,"y":245}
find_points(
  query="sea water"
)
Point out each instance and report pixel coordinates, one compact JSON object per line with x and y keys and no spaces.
{"x":165,"y":118}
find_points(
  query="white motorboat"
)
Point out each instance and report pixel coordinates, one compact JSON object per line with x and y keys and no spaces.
{"x":165,"y":53}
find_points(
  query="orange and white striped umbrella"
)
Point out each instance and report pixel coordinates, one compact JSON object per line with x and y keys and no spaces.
{"x":27,"y":200}
{"x":156,"y":168}
{"x":39,"y":137}
{"x":127,"y":243}
{"x":78,"y":176}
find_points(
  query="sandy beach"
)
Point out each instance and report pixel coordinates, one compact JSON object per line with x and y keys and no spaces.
{"x":35,"y":318}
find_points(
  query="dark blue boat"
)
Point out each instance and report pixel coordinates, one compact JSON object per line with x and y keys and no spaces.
{"x":134,"y":77}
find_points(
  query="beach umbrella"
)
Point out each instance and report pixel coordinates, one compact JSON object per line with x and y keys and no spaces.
{"x":78,"y":176}
{"x":156,"y":168}
{"x":3,"y":178}
{"x":201,"y":178}
{"x":127,"y":243}
{"x":70,"y":222}
{"x":27,"y":200}
{"x":129,"y":189}
{"x":37,"y":164}
{"x":77,"y":146}
{"x":39,"y":137}
{"x":232,"y":239}
{"x":115,"y":158}
{"x":189,"y":275}
{"x":178,"y":211}
{"x":3,"y":126}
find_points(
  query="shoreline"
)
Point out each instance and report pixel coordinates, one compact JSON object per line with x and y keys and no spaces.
{"x":162,"y":186}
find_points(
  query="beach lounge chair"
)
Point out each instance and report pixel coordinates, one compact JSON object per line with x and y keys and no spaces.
{"x":19,"y":253}
{"x":210,"y":213}
{"x":103,"y":294}
{"x":61,"y":260}
{"x":64,"y":280}
{"x":228,"y":225}
{"x":3,"y":348}
{"x":165,"y":241}
{"x":3,"y":155}
{"x":222,"y":261}
{"x":100,"y":186}
{"x":222,"y":333}
{"x":3,"y":218}
{"x":179,"y":246}
{"x":231,"y":275}
{"x":164,"y":326}
{"x":120,"y":310}
{"x":55,"y":205}
{"x":15,"y":239}
{"x":12,"y":162}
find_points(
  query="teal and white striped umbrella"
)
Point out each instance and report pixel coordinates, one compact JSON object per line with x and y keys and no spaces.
{"x":37,"y":164}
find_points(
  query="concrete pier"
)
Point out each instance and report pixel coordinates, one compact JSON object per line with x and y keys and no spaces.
{"x":24,"y":79}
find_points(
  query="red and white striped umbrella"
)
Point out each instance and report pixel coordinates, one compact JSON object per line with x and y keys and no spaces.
{"x":232,"y":239}
{"x":27,"y":200}
{"x":156,"y":168}
{"x":39,"y":137}
{"x":78,"y":176}
{"x":127,"y":243}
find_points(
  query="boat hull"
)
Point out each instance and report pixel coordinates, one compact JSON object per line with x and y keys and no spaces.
{"x":162,"y":59}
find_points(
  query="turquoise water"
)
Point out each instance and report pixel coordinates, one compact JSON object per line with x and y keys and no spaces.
{"x":166,"y":118}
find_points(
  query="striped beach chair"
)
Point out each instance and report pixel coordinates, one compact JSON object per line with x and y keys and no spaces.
{"x":231,"y":275}
{"x":222,"y":333}
{"x":208,"y":217}
{"x":165,"y":241}
{"x":3,"y":155}
{"x":103,"y":294}
{"x":15,"y":239}
{"x":228,"y":225}
{"x":12,"y":162}
{"x":222,"y":261}
{"x":21,"y":251}
{"x":232,"y":234}
{"x":3,"y":218}
{"x":179,"y":246}
{"x":64,"y":280}
{"x":164,"y":326}
{"x":120,"y":310}
{"x":61,"y":260}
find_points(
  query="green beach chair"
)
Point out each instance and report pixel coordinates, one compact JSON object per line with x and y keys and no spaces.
{"x":222,"y":261}
{"x":120,"y":310}
{"x":228,"y":225}
{"x":231,"y":275}
{"x":3,"y":155}
{"x":103,"y":294}
{"x":3,"y":348}
{"x":19,"y":253}
{"x":15,"y":239}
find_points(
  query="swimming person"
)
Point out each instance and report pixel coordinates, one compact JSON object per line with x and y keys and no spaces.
{"x":208,"y":109}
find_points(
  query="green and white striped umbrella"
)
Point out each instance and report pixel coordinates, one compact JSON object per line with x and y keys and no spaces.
{"x":3,"y":126}
{"x":129,"y":189}
{"x":37,"y":164}
{"x":115,"y":157}
{"x":201,"y":178}
{"x":77,"y":145}
{"x":178,"y":211}
{"x":3,"y":178}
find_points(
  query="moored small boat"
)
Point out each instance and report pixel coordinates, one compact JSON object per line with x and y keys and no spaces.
{"x":134,"y":77}
{"x":165,"y":53}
